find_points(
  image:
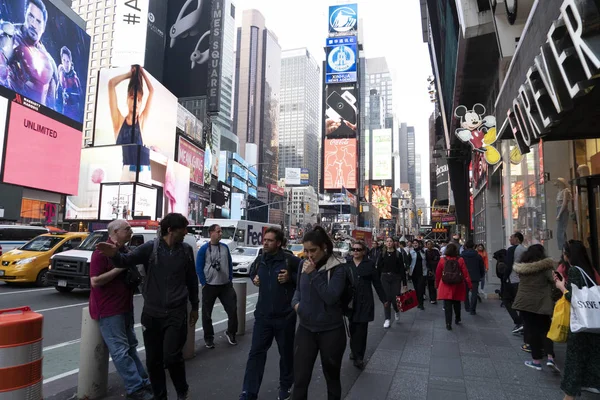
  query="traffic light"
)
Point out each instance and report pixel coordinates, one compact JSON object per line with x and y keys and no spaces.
{"x":419,"y":213}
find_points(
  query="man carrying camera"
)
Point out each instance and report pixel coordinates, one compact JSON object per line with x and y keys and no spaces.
{"x":215,"y":270}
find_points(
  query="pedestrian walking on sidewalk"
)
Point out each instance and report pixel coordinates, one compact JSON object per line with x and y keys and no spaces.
{"x":511,"y":279}
{"x":170,"y":283}
{"x":317,"y":301}
{"x":452,"y":280}
{"x":418,"y":271}
{"x":476,"y":269}
{"x":582,"y":363}
{"x":363,"y":308}
{"x":215,"y":271}
{"x":432,"y":257}
{"x":391,"y":269}
{"x":486,"y":263}
{"x":534,"y":301}
{"x":111,"y":303}
{"x":274,"y":318}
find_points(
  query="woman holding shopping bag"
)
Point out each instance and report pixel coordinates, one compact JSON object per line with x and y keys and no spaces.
{"x":582,"y":364}
{"x":450,"y":278}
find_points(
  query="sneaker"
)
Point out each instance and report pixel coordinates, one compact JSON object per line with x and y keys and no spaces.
{"x":553,"y":366}
{"x":285,"y":394}
{"x":209,"y":343}
{"x":183,"y":396}
{"x":591,"y":390}
{"x":397,"y":317}
{"x":526,"y":348}
{"x":433,"y":302}
{"x":457,"y":322}
{"x":517,"y":329}
{"x":386,"y":324}
{"x":141,"y":394}
{"x":449,"y":327}
{"x":533,"y":365}
{"x":231,"y":338}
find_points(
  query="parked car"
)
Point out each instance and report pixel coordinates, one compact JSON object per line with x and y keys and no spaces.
{"x":242,"y":258}
{"x":29,"y":263}
{"x":13,"y":236}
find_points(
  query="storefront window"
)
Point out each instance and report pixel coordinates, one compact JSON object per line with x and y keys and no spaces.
{"x":39,"y":212}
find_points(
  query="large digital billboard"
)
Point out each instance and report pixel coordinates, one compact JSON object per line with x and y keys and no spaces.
{"x":382,"y":154}
{"x":341,"y":59}
{"x":341,"y":111}
{"x":340,"y":164}
{"x":193,"y":158}
{"x":381,"y":197}
{"x":155,"y":121}
{"x":221,"y":199}
{"x":343,"y":19}
{"x":117,"y":201}
{"x":41,"y":152}
{"x":44,"y":55}
{"x":3,"y":114}
{"x":130,"y":31}
{"x":176,"y":187}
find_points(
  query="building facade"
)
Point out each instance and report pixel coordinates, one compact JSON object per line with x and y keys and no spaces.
{"x":303,"y":205}
{"x":411,"y":164}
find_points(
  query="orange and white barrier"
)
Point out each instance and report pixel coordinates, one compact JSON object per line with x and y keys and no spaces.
{"x":21,"y":354}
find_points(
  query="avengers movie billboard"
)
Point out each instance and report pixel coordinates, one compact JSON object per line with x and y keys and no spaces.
{"x":44,"y":55}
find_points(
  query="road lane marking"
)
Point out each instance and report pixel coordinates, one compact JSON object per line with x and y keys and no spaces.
{"x":141,"y":348}
{"x":26,"y":291}
{"x":68,"y":306}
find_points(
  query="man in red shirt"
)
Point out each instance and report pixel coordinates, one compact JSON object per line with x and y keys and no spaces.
{"x":111,"y":303}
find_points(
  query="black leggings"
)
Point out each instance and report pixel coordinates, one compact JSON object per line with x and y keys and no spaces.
{"x":536,"y":331}
{"x":448,"y":306}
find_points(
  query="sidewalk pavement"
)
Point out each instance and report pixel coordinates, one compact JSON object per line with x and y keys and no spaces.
{"x":416,"y":359}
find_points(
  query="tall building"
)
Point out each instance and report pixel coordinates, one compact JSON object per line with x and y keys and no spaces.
{"x":299,"y":117}
{"x":418,"y":175}
{"x":256,"y":104}
{"x":303,"y":205}
{"x":412,"y":176}
{"x":376,"y":110}
{"x":378,"y":77}
{"x":403,"y":153}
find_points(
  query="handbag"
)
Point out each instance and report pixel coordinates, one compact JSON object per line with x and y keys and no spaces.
{"x":560,"y":321}
{"x":407,"y":301}
{"x":585,"y":306}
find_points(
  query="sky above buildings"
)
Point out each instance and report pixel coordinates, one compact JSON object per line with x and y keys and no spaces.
{"x":392,"y":29}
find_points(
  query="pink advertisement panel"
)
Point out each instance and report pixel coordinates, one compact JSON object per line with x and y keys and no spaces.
{"x":192,"y":157}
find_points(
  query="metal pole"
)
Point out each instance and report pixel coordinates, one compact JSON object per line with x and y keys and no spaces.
{"x":240,"y":291}
{"x":189,"y":348}
{"x":92,"y":382}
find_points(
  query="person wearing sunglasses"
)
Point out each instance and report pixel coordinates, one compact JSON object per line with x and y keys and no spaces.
{"x":363,"y":307}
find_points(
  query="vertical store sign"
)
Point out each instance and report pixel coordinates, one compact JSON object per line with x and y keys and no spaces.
{"x":214,"y":62}
{"x":131,"y":27}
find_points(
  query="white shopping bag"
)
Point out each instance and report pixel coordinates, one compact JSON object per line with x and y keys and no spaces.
{"x":585,"y":306}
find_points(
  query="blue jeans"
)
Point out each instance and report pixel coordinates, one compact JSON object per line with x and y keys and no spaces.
{"x":265,"y":330}
{"x":471,"y":301}
{"x":121,"y":341}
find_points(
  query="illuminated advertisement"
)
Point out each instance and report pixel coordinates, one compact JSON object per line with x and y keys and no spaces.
{"x":304,"y":176}
{"x":193,"y":158}
{"x":342,"y":59}
{"x":239,"y":171}
{"x":237,"y":205}
{"x":252,"y":192}
{"x":145,"y":201}
{"x":44,"y":56}
{"x":3,"y":112}
{"x":190,"y":125}
{"x":341,"y":111}
{"x":239,"y":184}
{"x":292,"y":176}
{"x":343,"y":19}
{"x":176,"y":188}
{"x":208,"y":156}
{"x":381,"y":197}
{"x":117,"y":201}
{"x":220,"y":198}
{"x":40,"y":152}
{"x":382,"y":154}
{"x":130,"y":31}
{"x":155,"y":121}
{"x":340,"y":164}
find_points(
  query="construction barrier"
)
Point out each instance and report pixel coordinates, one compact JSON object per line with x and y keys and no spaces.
{"x":21,"y":354}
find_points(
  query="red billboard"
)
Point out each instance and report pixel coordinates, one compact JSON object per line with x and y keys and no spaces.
{"x":276,"y":190}
{"x":192,"y":157}
{"x":41,"y":153}
{"x":340,"y":164}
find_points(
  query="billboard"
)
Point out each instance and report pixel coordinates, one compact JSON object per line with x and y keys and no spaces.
{"x":381,"y":197}
{"x":3,"y":114}
{"x":293,"y":176}
{"x":117,"y":201}
{"x":41,"y":152}
{"x":44,"y":56}
{"x":341,"y":111}
{"x":382,"y":154}
{"x":343,"y":19}
{"x":341,"y":59}
{"x":131,"y":29}
{"x":176,"y":188}
{"x":214,"y":64}
{"x":238,"y":203}
{"x":154,"y":126}
{"x":442,"y":179}
{"x":155,"y":37}
{"x":192,"y":157}
{"x":340,"y":164}
{"x":190,"y":125}
{"x":220,"y":198}
{"x":304,"y":177}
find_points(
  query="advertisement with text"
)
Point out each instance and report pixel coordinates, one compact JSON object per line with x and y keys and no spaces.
{"x":382,"y":154}
{"x":44,"y":56}
{"x":342,"y":59}
{"x":193,"y":158}
{"x":340,"y":164}
{"x":341,"y":111}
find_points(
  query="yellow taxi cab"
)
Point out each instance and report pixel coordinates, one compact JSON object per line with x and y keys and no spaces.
{"x":29,"y":263}
{"x":297,"y":249}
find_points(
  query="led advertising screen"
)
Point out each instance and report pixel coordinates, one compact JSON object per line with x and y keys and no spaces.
{"x":189,"y":124}
{"x":343,"y":20}
{"x":381,"y":197}
{"x":220,"y":199}
{"x":237,"y":203}
{"x":382,"y":154}
{"x":41,"y":153}
{"x":145,"y":201}
{"x":341,"y":111}
{"x":193,"y":158}
{"x":177,"y":188}
{"x":342,"y":59}
{"x":155,"y":123}
{"x":130,"y":31}
{"x":340,"y":164}
{"x":44,"y":56}
{"x":3,"y":113}
{"x":304,"y":177}
{"x":292,"y":176}
{"x":117,"y":201}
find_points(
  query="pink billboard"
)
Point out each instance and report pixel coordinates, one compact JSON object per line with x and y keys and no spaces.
{"x":192,"y":157}
{"x":41,"y":153}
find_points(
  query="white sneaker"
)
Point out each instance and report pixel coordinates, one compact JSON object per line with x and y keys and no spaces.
{"x":386,"y":324}
{"x":397,"y":317}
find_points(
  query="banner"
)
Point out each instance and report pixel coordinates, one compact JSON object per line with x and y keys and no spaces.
{"x":193,"y":158}
{"x":340,"y":164}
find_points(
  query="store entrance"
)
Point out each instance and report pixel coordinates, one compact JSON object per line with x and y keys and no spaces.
{"x":587,"y":213}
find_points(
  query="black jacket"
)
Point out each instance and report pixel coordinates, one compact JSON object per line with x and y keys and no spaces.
{"x":474,"y":263}
{"x":170,"y":278}
{"x":274,"y":298}
{"x":399,"y":262}
{"x":365,"y":278}
{"x":432,"y":257}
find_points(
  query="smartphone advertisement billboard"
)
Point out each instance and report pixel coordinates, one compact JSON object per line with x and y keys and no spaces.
{"x":340,"y":164}
{"x":44,"y":56}
{"x":341,"y":111}
{"x":341,"y":59}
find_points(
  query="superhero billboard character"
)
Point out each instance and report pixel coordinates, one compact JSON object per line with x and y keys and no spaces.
{"x":69,"y":97}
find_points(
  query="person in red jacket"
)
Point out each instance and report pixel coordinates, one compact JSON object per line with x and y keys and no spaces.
{"x":452,"y":294}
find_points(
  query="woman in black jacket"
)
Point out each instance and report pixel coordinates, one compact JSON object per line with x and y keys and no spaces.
{"x":363,"y":306}
{"x":391,"y":268}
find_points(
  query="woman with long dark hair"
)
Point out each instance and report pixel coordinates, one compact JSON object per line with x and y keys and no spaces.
{"x":452,"y":293}
{"x":582,"y":364}
{"x":534,"y":300}
{"x":321,"y":283}
{"x":363,"y":306}
{"x":392,"y":271}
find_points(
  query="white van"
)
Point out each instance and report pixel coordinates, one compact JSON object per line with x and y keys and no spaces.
{"x":236,"y":232}
{"x":13,"y":236}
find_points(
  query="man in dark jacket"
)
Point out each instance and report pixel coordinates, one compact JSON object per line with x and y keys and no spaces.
{"x":476,"y":269}
{"x":511,"y":279}
{"x":170,"y":281}
{"x":432,"y":257}
{"x":275,"y":276}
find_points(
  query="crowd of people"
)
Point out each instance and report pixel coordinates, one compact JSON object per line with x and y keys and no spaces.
{"x":311,"y":306}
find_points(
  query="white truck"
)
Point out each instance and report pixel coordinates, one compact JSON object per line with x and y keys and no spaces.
{"x":235,"y":232}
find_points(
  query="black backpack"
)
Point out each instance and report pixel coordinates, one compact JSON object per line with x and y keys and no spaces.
{"x":452,"y":274}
